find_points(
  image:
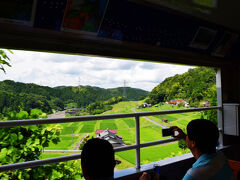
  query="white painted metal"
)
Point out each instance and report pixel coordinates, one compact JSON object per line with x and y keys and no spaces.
{"x":137,"y":146}
{"x":231,"y":125}
{"x":137,"y":140}
{"x":76,"y":156}
{"x":13,"y":123}
{"x":219,"y":103}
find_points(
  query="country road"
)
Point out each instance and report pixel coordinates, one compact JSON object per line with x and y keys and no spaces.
{"x":78,"y":144}
{"x":59,"y":114}
{"x":157,"y":123}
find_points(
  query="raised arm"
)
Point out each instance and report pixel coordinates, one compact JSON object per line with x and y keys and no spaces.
{"x":180,"y":134}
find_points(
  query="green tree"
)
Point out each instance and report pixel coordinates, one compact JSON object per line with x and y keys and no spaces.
{"x":4,"y":60}
{"x":16,"y":96}
{"x":194,"y":86}
{"x":26,"y":143}
{"x":20,"y":144}
{"x":212,"y":115}
{"x":182,"y":144}
{"x":58,"y":104}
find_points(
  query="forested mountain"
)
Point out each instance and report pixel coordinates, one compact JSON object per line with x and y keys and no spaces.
{"x":196,"y":85}
{"x":16,"y":96}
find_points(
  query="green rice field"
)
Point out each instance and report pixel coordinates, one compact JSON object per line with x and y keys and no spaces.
{"x":181,"y":119}
{"x":72,"y":133}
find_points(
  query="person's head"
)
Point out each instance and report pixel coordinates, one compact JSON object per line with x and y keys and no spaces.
{"x":203,"y":135}
{"x":97,"y":159}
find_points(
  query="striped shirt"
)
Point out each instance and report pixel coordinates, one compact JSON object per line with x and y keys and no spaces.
{"x":210,"y":167}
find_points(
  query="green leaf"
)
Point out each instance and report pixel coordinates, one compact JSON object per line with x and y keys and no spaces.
{"x":13,"y":137}
{"x":4,"y":151}
{"x":20,"y":136}
{"x":5,"y":63}
{"x":49,"y":128}
{"x":9,"y":151}
{"x":29,"y":142}
{"x":37,"y":141}
{"x":3,"y":60}
{"x":10,"y":51}
{"x":3,"y":69}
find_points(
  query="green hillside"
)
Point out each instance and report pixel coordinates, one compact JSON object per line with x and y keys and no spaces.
{"x":198,"y":84}
{"x":16,"y":96}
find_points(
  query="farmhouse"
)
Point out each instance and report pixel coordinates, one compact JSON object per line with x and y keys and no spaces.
{"x":73,"y":110}
{"x":147,"y":105}
{"x":176,"y":102}
{"x":164,"y":120}
{"x":206,"y":104}
{"x":111,"y":136}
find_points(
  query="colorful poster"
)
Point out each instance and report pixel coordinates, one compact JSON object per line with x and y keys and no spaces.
{"x":17,"y":11}
{"x":84,"y":15}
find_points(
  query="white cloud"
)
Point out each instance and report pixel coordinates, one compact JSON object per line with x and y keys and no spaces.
{"x":58,"y":69}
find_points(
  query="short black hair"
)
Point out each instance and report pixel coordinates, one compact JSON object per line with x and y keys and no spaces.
{"x":204,"y":133}
{"x":97,"y":157}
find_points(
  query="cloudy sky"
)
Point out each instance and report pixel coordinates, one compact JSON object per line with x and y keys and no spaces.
{"x":52,"y":70}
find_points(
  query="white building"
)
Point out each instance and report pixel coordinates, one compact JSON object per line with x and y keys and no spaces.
{"x":111,"y":136}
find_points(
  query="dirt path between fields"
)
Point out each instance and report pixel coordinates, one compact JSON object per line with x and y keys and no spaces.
{"x":78,"y":144}
{"x":157,"y":123}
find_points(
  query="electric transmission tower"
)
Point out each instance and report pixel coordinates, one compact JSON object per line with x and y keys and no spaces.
{"x":79,"y":86}
{"x":124,"y":89}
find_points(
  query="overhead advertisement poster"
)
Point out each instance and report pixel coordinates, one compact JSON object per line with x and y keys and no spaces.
{"x":49,"y":14}
{"x":187,"y":6}
{"x":225,"y":44}
{"x":84,"y":15}
{"x":17,"y":11}
{"x":203,"y":38}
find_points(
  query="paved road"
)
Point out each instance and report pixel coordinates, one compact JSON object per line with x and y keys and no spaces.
{"x":59,"y":114}
{"x":157,"y":123}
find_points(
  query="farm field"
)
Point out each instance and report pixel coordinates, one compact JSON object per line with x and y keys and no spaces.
{"x":181,"y":119}
{"x":73,"y":132}
{"x":151,"y":154}
{"x":67,"y":142}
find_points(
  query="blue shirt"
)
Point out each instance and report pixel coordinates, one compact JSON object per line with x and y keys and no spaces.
{"x":210,"y":167}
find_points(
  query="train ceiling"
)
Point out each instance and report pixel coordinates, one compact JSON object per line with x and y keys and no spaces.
{"x":207,"y":27}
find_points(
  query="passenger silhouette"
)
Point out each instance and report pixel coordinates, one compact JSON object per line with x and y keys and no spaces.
{"x":97,"y":160}
{"x":202,"y":139}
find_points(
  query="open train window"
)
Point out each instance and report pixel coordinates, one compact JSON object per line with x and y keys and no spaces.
{"x":61,"y":86}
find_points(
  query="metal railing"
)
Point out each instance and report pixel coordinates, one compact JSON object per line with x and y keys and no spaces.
{"x":136,"y":146}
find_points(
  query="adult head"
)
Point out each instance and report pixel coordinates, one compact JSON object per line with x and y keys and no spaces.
{"x":202,"y":135}
{"x":97,"y":159}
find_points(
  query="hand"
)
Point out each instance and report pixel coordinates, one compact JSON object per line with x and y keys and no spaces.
{"x":180,"y":134}
{"x":145,"y":176}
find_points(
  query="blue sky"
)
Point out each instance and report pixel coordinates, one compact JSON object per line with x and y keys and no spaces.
{"x":49,"y":69}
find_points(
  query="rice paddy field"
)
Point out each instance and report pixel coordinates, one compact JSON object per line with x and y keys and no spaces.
{"x":72,"y":133}
{"x":181,"y":119}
